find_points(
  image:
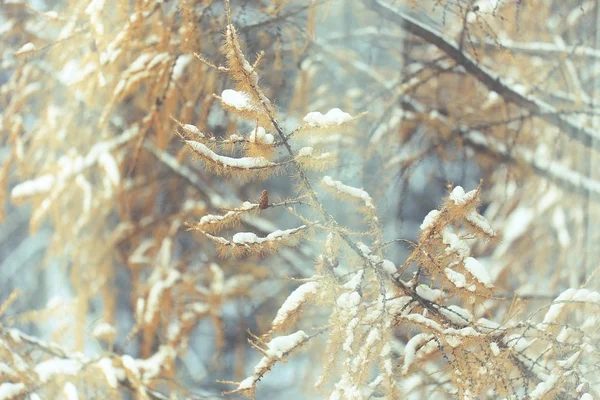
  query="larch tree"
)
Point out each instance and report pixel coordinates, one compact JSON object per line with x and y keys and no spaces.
{"x":306,"y":199}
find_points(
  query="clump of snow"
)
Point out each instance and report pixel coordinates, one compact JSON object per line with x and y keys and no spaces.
{"x":281,"y":345}
{"x":389,"y":267}
{"x":410,"y":350}
{"x":193,"y":129}
{"x":430,"y":219}
{"x":11,"y":390}
{"x":235,"y":99}
{"x":495,"y":349}
{"x":244,"y":238}
{"x":213,"y":219}
{"x":247,"y":383}
{"x":572,"y":294}
{"x":353,"y":283}
{"x":456,"y":278}
{"x":282,"y":234}
{"x":56,"y":366}
{"x":151,"y":367}
{"x":349,"y":190}
{"x":480,"y":222}
{"x":105,"y":331}
{"x":294,"y":301}
{"x":478,"y":271}
{"x":334,"y":117}
{"x":427,"y":293}
{"x":459,"y":197}
{"x":156,"y":292}
{"x":259,"y":136}
{"x":457,"y":315}
{"x":40,"y":185}
{"x":70,"y":391}
{"x":26,"y":48}
{"x":110,"y":373}
{"x":180,"y":66}
{"x":241,"y":163}
{"x":455,"y":244}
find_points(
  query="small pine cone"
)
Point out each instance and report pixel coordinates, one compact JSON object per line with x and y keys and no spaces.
{"x":264,"y":200}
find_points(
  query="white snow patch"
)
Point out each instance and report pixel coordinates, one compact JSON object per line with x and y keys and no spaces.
{"x":295,"y":300}
{"x":495,"y":349}
{"x":259,"y":136}
{"x":459,"y":197}
{"x":457,"y":315}
{"x":478,"y":271}
{"x":40,"y":185}
{"x":56,"y":366}
{"x":456,"y":278}
{"x":11,"y":390}
{"x":283,"y":344}
{"x":235,"y":99}
{"x":335,"y":116}
{"x":26,"y":48}
{"x":242,"y":163}
{"x":428,"y":293}
{"x":349,"y":190}
{"x":70,"y":391}
{"x":430,"y":219}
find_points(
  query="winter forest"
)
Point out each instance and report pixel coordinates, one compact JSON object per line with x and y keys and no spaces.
{"x":299,"y":199}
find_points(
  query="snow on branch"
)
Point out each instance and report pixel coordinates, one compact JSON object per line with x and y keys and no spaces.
{"x":243,"y":73}
{"x":243,"y":243}
{"x":261,"y":167}
{"x":334,"y":120}
{"x":571,"y":295}
{"x":333,"y":117}
{"x":462,"y":273}
{"x":293,"y":303}
{"x":212,"y":223}
{"x":350,"y":191}
{"x":276,"y":350}
{"x":243,"y":104}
